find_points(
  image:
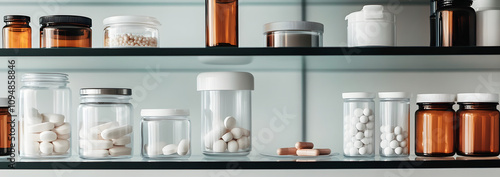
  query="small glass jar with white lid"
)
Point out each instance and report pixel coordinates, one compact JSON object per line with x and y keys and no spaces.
{"x":165,"y":133}
{"x":294,"y":34}
{"x":131,"y":31}
{"x":359,"y":124}
{"x":394,"y":116}
{"x":105,"y":123}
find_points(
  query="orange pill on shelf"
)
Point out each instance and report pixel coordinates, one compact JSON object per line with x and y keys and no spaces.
{"x":304,"y":145}
{"x":287,"y":151}
{"x":307,"y":152}
{"x":324,"y":151}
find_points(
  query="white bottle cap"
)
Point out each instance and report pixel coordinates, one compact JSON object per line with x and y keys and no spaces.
{"x":131,"y":19}
{"x":294,"y":26}
{"x":360,"y":95}
{"x":477,"y":98}
{"x":225,"y":81}
{"x":482,"y":5}
{"x":393,"y":95}
{"x":371,"y":13}
{"x":4,"y":102}
{"x":436,"y":98}
{"x":164,"y":112}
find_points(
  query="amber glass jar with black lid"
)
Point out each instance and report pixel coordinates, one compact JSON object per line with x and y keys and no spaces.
{"x":59,"y":31}
{"x":17,"y":31}
{"x":478,"y":124}
{"x":455,"y":23}
{"x":5,"y":128}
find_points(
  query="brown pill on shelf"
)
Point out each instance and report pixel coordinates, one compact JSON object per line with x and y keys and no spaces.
{"x":304,"y":145}
{"x":307,"y":152}
{"x":287,"y":151}
{"x":324,"y":151}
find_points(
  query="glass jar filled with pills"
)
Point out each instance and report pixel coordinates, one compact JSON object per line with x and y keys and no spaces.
{"x":45,"y":116}
{"x":226,"y":113}
{"x":165,"y":133}
{"x":359,"y":124}
{"x":105,"y":123}
{"x":131,"y":31}
{"x":394,"y":116}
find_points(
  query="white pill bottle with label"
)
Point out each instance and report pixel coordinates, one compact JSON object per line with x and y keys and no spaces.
{"x":359,"y":124}
{"x":226,"y":113}
{"x":44,"y":116}
{"x":394,"y":124}
{"x":105,"y":128}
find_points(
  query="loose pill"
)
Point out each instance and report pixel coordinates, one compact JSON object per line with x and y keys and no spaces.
{"x":359,"y":135}
{"x":96,"y":153}
{"x":390,"y":136}
{"x":183,"y":147}
{"x":398,"y":130}
{"x":169,"y":149}
{"x":48,"y":136}
{"x":287,"y":151}
{"x":304,"y":145}
{"x":230,"y":122}
{"x":307,"y":152}
{"x":57,"y":119}
{"x":367,"y":112}
{"x":61,"y":146}
{"x":363,"y":119}
{"x":400,"y":138}
{"x":358,"y":144}
{"x":220,"y":146}
{"x":37,"y":128}
{"x":394,"y":144}
{"x":324,"y":151}
{"x":120,"y":151}
{"x":116,"y":132}
{"x":362,"y":150}
{"x":63,"y":129}
{"x":237,"y":133}
{"x":398,"y":150}
{"x":227,"y":137}
{"x":358,"y":112}
{"x":64,"y":137}
{"x":124,"y":140}
{"x":46,"y":148}
{"x":388,"y":151}
{"x":360,"y":126}
{"x":232,"y":146}
{"x":403,"y":144}
{"x":367,"y":141}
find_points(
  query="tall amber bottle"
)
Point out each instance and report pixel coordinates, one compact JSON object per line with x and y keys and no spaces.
{"x":455,"y":23}
{"x":17,"y":31}
{"x":221,"y":23}
{"x":5,"y":120}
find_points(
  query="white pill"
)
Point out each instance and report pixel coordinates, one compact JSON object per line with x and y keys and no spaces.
{"x":46,"y":126}
{"x":32,"y":117}
{"x":390,"y":136}
{"x":367,"y":141}
{"x":120,"y":151}
{"x":46,"y":147}
{"x":57,"y":119}
{"x":358,"y":144}
{"x":61,"y":146}
{"x":359,"y":135}
{"x":48,"y":136}
{"x":353,"y":151}
{"x":371,"y":118}
{"x":354,"y":120}
{"x":368,"y":133}
{"x":394,"y":144}
{"x":398,"y":130}
{"x":213,"y":135}
{"x":31,"y":148}
{"x":124,"y":140}
{"x":353,"y":131}
{"x":388,"y":129}
{"x":370,"y":125}
{"x":237,"y":133}
{"x":230,"y":122}
{"x":384,"y":144}
{"x":243,"y":142}
{"x":116,"y":132}
{"x":227,"y":137}
{"x":388,"y":151}
{"x":169,"y":149}
{"x":362,"y":151}
{"x":398,"y":150}
{"x":369,"y":149}
{"x":360,"y":126}
{"x":96,"y":144}
{"x":382,"y":129}
{"x":346,"y":151}
{"x":382,"y":136}
{"x":220,"y":146}
{"x":403,"y":144}
{"x":154,"y":150}
{"x":232,"y":146}
{"x":400,"y":138}
{"x":349,"y":145}
{"x":367,"y":112}
{"x":64,"y":137}
{"x":246,"y":132}
{"x":63,"y":129}
{"x":183,"y":147}
{"x":96,"y":153}
{"x":101,"y":127}
{"x":363,"y":119}
{"x":358,"y":112}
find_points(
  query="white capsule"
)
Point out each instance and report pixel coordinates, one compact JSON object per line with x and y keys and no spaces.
{"x":227,"y":137}
{"x":382,"y":129}
{"x":64,"y":137}
{"x":232,"y":146}
{"x":403,"y":144}
{"x":368,"y":133}
{"x":246,"y":132}
{"x":96,"y":144}
{"x":116,"y":132}
{"x":220,"y":146}
{"x":243,"y":142}
{"x":384,"y":144}
{"x":382,"y":136}
{"x":367,"y":112}
{"x":370,"y":125}
{"x":398,"y":130}
{"x":398,"y":150}
{"x":183,"y":147}
{"x":46,"y":147}
{"x":358,"y":112}
{"x":32,"y":137}
{"x":230,"y":122}
{"x":213,"y":135}
{"x":124,"y":140}
{"x":388,"y":151}
{"x":363,"y":119}
{"x":37,"y":128}
{"x":359,"y":135}
{"x":31,"y":147}
{"x":371,"y":118}
{"x":65,"y":128}
{"x":367,"y":141}
{"x":362,"y":151}
{"x":358,"y":144}
{"x":120,"y":151}
{"x":95,"y":153}
{"x":170,"y":149}
{"x":400,"y":138}
{"x":390,"y":136}
{"x":394,"y":144}
{"x":353,"y":151}
{"x":32,"y":117}
{"x":237,"y":133}
{"x":61,"y":146}
{"x":48,"y":136}
{"x":57,"y":119}
{"x":360,"y":126}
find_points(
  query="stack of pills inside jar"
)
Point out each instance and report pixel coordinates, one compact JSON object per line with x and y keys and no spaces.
{"x":46,"y":134}
{"x":228,"y":138}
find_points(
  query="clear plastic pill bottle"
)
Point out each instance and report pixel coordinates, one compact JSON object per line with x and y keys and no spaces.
{"x":394,"y":116}
{"x":45,"y":116}
{"x":226,"y":113}
{"x":166,"y":133}
{"x":294,"y":34}
{"x":435,"y":125}
{"x":131,"y":31}
{"x":359,"y":124}
{"x":478,"y":124}
{"x":105,"y":128}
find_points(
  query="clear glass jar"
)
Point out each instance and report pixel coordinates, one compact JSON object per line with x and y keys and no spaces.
{"x":131,"y":31}
{"x":5,"y":128}
{"x":45,"y":116}
{"x":61,"y":31}
{"x":359,"y":124}
{"x":294,"y":34}
{"x":435,"y":125}
{"x":226,"y":115}
{"x":105,"y":123}
{"x":166,"y":133}
{"x":478,"y":124}
{"x":394,"y":111}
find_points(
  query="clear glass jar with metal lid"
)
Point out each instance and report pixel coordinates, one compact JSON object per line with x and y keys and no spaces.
{"x":105,"y":123}
{"x":45,"y":116}
{"x":166,"y":133}
{"x":131,"y":31}
{"x":359,"y":124}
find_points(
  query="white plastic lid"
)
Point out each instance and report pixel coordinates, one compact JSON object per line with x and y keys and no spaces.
{"x":131,"y":19}
{"x":371,"y":13}
{"x":225,"y":81}
{"x":294,"y":26}
{"x":477,"y":98}
{"x":164,"y":112}
{"x":358,"y":95}
{"x":481,"y":5}
{"x":436,"y":98}
{"x":4,"y":102}
{"x":393,"y":95}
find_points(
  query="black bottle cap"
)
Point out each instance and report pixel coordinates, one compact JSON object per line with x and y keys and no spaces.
{"x":66,"y":19}
{"x":13,"y":18}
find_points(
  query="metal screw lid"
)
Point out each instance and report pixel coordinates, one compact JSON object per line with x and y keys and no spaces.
{"x":105,"y":91}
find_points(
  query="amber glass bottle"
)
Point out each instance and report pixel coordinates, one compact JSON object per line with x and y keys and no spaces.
{"x":455,"y":23}
{"x":221,"y":23}
{"x":59,"y":31}
{"x":433,"y":22}
{"x":16,"y":32}
{"x":5,"y":119}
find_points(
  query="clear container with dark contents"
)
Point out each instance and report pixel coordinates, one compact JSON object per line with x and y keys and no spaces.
{"x":61,"y":31}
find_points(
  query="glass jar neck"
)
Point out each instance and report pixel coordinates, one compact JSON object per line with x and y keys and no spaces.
{"x":358,"y":99}
{"x":435,"y":106}
{"x":45,"y":84}
{"x":24,"y":23}
{"x":106,"y":99}
{"x":454,"y":3}
{"x":478,"y":106}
